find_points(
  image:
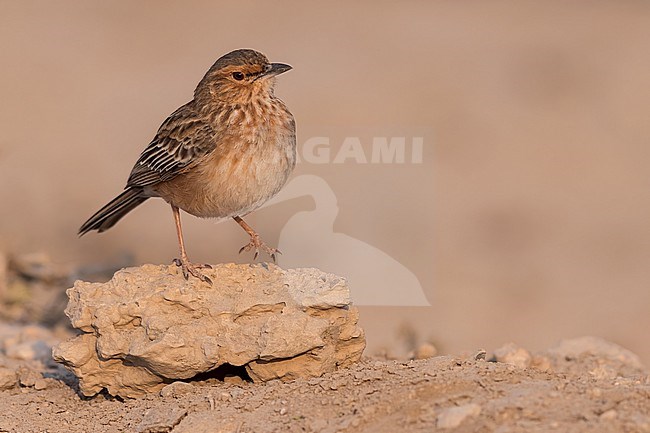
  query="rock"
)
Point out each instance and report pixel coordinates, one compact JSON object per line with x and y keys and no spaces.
{"x":29,"y":350}
{"x":161,"y":420}
{"x":541,"y":363}
{"x":149,"y":326}
{"x":575,"y":347}
{"x":513,"y":355}
{"x":41,"y":384}
{"x":479,"y":355}
{"x":27,"y":343}
{"x":8,"y":378}
{"x":210,"y":422}
{"x":30,"y":378}
{"x":176,"y":389}
{"x":233,"y":380}
{"x":454,"y":416}
{"x":609,"y":415}
{"x":425,"y":351}
{"x":39,"y":266}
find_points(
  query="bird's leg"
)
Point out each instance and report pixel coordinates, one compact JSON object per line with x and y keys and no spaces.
{"x":256,"y":242}
{"x":187,"y":267}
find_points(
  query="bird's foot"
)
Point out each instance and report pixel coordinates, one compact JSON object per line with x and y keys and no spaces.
{"x":257,"y":244}
{"x":193,"y":269}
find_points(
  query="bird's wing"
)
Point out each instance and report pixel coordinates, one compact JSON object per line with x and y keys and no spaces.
{"x":181,"y":140}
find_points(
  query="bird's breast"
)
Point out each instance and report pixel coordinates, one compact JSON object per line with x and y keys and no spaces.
{"x":253,"y":157}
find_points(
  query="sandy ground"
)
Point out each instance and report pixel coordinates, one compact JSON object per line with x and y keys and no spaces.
{"x":588,"y":393}
{"x":578,"y":385}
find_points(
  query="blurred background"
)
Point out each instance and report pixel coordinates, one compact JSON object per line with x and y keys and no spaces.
{"x":527,"y":219}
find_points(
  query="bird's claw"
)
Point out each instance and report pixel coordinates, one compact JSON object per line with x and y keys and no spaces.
{"x":191,"y":269}
{"x":256,"y":244}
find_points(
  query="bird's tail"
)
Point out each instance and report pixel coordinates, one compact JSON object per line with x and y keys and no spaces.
{"x":106,"y":217}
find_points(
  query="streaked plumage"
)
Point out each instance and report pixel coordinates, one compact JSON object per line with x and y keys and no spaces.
{"x":221,"y":155}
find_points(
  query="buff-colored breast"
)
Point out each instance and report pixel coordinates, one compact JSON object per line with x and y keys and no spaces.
{"x":250,"y":164}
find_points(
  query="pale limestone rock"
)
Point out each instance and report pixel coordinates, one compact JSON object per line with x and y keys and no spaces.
{"x":157,"y":420}
{"x":8,"y":378}
{"x":31,"y":378}
{"x":425,"y":351}
{"x":177,"y":389}
{"x":609,"y":415}
{"x":575,"y":347}
{"x":29,"y":350}
{"x":513,"y":355}
{"x":149,"y":326}
{"x":26,"y":343}
{"x":541,"y":362}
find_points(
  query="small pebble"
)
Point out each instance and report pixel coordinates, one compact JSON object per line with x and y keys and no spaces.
{"x":8,"y":378}
{"x":234,"y":380}
{"x":454,"y":416}
{"x":513,"y":355}
{"x":541,"y":363}
{"x":609,"y":415}
{"x":40,"y":384}
{"x":28,"y":377}
{"x":176,"y":389}
{"x":480,"y":355}
{"x":425,"y":351}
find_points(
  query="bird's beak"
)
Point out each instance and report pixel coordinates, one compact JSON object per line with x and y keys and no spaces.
{"x":277,"y":69}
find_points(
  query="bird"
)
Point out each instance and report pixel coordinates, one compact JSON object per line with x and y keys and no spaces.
{"x":221,"y":155}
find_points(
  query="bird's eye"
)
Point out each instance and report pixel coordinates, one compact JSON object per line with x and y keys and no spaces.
{"x":238,"y":76}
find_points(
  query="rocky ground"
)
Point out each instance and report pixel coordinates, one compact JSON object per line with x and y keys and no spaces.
{"x":580,"y":385}
{"x":584,"y":385}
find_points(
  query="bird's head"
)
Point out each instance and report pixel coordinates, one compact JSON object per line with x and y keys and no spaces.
{"x":239,"y":76}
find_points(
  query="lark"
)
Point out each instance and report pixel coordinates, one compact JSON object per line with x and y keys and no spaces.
{"x":221,"y":155}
